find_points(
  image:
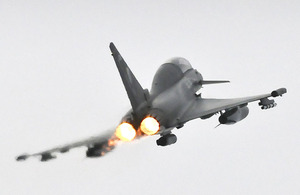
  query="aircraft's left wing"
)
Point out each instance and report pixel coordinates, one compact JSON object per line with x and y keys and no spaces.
{"x":97,"y":146}
{"x":204,"y":108}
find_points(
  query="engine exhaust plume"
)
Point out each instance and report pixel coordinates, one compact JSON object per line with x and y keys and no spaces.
{"x":125,"y":132}
{"x":150,"y":125}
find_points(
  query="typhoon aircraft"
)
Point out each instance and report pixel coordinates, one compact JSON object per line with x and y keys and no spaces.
{"x":174,"y":99}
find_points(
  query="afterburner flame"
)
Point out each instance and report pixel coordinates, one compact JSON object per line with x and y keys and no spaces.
{"x":125,"y":132}
{"x":150,"y":125}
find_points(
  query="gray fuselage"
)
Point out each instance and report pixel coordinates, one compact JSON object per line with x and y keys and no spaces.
{"x":173,"y":90}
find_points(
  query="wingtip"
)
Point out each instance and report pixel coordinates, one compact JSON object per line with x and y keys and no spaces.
{"x":22,"y":157}
{"x":278,"y":92}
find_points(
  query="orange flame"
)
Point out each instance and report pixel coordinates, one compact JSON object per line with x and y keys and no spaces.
{"x":150,"y":125}
{"x":125,"y":132}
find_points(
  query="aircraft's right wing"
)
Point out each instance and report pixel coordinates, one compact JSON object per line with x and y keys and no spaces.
{"x":97,"y":146}
{"x":203,"y":108}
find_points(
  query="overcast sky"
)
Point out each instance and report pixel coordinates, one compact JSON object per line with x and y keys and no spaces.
{"x":59,"y":83}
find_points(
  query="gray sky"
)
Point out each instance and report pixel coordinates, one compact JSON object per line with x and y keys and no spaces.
{"x":59,"y":83}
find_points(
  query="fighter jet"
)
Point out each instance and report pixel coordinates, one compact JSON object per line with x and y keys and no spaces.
{"x":174,"y":99}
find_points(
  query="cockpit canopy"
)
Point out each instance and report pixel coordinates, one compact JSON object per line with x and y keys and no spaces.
{"x":181,"y":63}
{"x":169,"y":73}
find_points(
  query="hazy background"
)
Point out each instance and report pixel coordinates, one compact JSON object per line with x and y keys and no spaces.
{"x":59,"y":83}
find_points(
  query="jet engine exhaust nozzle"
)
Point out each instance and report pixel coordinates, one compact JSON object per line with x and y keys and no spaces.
{"x":125,"y":132}
{"x":150,"y":126}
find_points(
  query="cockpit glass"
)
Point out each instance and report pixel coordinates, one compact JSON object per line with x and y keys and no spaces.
{"x":181,"y":63}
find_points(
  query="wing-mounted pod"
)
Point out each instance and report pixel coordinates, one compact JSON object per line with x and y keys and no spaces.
{"x":99,"y":149}
{"x":94,"y":151}
{"x":266,"y":103}
{"x":47,"y":156}
{"x":278,"y":92}
{"x":234,"y":115}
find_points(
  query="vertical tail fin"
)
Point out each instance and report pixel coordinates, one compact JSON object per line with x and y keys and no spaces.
{"x":133,"y":88}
